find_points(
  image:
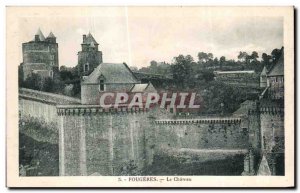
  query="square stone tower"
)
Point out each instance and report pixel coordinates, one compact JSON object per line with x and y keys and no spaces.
{"x":89,"y":57}
{"x":40,"y":56}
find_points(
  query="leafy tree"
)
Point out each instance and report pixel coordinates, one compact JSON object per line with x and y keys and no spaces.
{"x":216,"y":62}
{"x":266,"y":60}
{"x":202,"y":57}
{"x":243,"y":56}
{"x":153,"y":64}
{"x":210,"y":56}
{"x":254,"y":56}
{"x":276,"y":53}
{"x":33,"y":81}
{"x":222,"y":61}
{"x":48,"y":85}
{"x":208,"y":75}
{"x":181,"y":70}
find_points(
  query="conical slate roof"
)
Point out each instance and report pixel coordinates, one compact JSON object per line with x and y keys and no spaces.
{"x":51,"y":35}
{"x":89,"y":39}
{"x":40,"y":34}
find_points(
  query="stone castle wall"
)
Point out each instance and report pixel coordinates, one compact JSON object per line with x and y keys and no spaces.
{"x":98,"y":142}
{"x":202,"y":133}
{"x":42,"y":105}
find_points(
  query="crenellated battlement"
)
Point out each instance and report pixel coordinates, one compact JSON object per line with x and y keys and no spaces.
{"x":267,"y":110}
{"x":220,"y":120}
{"x":69,"y":110}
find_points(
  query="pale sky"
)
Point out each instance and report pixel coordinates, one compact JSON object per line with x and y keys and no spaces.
{"x":137,"y":36}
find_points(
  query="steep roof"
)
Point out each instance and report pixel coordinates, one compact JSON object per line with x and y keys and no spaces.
{"x":264,"y":71}
{"x":244,"y":108}
{"x":51,"y":35}
{"x":139,"y":87}
{"x":143,"y":88}
{"x":89,"y":39}
{"x":40,"y":34}
{"x":278,"y":68}
{"x":113,"y":73}
{"x":264,"y":169}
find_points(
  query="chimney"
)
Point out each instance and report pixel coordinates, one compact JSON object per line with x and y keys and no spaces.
{"x":84,"y":37}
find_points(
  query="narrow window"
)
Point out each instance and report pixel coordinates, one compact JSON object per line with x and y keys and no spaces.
{"x":86,"y":67}
{"x":101,"y":86}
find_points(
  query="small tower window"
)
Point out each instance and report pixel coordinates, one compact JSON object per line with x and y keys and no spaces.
{"x":101,"y":85}
{"x":86,"y":67}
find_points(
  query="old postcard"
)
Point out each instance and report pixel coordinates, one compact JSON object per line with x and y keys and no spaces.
{"x":150,"y":96}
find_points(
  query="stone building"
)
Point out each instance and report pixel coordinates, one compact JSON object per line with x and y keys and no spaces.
{"x":107,"y":77}
{"x":40,"y":56}
{"x":275,"y":79}
{"x":89,"y":57}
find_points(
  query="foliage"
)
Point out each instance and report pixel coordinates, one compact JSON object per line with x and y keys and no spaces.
{"x":181,"y":70}
{"x":38,"y":148}
{"x":66,"y":76}
{"x":219,"y":97}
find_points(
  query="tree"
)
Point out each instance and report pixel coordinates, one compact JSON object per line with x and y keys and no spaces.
{"x":210,"y":56}
{"x":202,"y":57}
{"x":216,"y":62}
{"x":266,"y":60}
{"x":243,"y":56}
{"x":254,"y":56}
{"x":181,"y":70}
{"x":153,"y":63}
{"x":48,"y":85}
{"x":276,"y":53}
{"x":222,"y":61}
{"x":34,"y":81}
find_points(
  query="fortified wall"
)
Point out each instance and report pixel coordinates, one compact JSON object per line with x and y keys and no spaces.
{"x":41,"y":105}
{"x":97,"y":141}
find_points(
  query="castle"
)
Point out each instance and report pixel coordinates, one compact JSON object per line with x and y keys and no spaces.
{"x":103,"y":141}
{"x":40,"y":56}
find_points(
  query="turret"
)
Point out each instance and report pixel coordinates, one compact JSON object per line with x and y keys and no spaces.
{"x":263,"y":78}
{"x":39,"y":36}
{"x":51,"y":38}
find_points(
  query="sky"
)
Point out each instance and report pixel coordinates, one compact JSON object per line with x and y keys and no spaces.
{"x":137,"y":36}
